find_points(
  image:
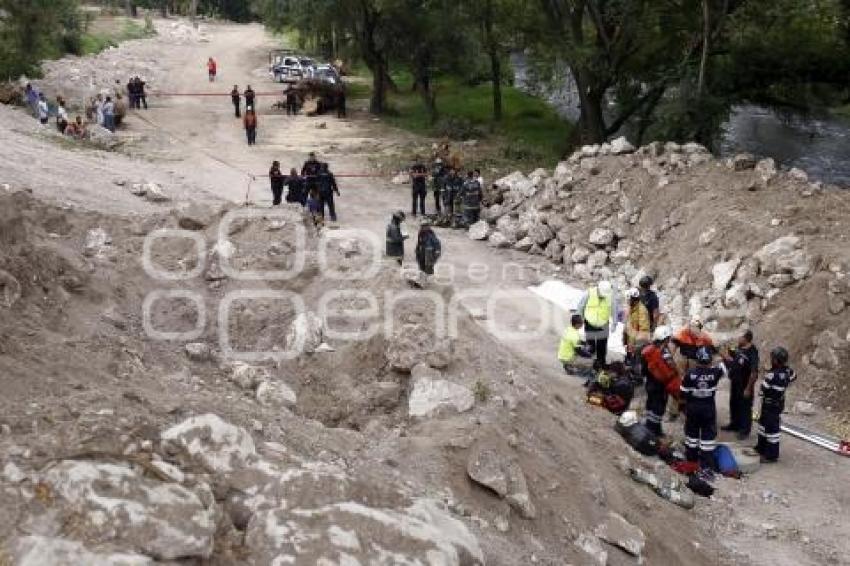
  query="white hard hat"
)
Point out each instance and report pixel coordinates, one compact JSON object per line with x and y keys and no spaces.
{"x":696,"y":322}
{"x":604,"y":288}
{"x":633,"y":293}
{"x":661,"y":333}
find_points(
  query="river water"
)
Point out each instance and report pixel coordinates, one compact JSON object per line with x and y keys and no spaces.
{"x":817,"y":144}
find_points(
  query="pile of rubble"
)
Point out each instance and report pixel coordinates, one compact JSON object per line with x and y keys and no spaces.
{"x":725,"y":240}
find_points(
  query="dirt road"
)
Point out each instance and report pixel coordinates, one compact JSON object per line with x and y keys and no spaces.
{"x":786,"y":514}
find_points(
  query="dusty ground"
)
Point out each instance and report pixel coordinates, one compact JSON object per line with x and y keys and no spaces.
{"x":79,"y":373}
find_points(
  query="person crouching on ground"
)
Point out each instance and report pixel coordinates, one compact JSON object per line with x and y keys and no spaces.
{"x":773,"y":387}
{"x":428,"y":249}
{"x":395,"y":237}
{"x":571,"y":346}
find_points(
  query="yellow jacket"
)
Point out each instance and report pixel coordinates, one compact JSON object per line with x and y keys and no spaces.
{"x":569,"y":343}
{"x":638,"y":325}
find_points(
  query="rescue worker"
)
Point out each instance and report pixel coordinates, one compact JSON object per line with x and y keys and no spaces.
{"x":418,"y":186}
{"x":395,"y":237}
{"x":438,"y":181}
{"x":650,"y":299}
{"x":428,"y":249}
{"x":598,"y":307}
{"x":296,"y":188}
{"x":638,"y":329}
{"x":235,"y":98}
{"x":141,"y":97}
{"x":276,"y":178}
{"x":473,"y":194}
{"x":571,"y":346}
{"x":687,"y":340}
{"x":249,"y":98}
{"x":742,"y":363}
{"x":698,"y":389}
{"x":451,"y":188}
{"x":310,"y":171}
{"x":327,"y":189}
{"x":773,"y":387}
{"x":662,"y":378}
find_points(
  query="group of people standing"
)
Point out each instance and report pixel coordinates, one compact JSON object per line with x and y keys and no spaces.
{"x":457,"y":199}
{"x":682,"y":369}
{"x":136,"y":93}
{"x":313,"y":188}
{"x":41,"y":110}
{"x":428,"y":246}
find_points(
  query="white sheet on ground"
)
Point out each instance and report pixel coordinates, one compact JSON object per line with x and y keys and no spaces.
{"x":567,"y":298}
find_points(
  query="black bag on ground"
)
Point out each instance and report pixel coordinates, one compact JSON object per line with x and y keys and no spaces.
{"x":639,"y":437}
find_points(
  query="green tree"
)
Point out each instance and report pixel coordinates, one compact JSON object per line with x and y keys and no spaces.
{"x":33,"y":30}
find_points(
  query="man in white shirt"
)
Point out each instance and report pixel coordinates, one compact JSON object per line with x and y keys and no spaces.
{"x":43,"y":109}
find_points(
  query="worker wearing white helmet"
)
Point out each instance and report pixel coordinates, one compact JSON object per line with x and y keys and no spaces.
{"x":598,"y":307}
{"x":662,"y":377}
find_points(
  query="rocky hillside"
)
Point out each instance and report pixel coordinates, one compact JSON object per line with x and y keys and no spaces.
{"x":739,"y":243}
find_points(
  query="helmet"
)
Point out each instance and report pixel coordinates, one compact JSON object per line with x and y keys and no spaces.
{"x":696,"y":322}
{"x":605,"y":289}
{"x":645,"y":282}
{"x":633,"y":293}
{"x":703,"y":355}
{"x":779,"y":355}
{"x":661,"y":334}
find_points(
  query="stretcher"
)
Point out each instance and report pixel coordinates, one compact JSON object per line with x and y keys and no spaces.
{"x":831,"y":443}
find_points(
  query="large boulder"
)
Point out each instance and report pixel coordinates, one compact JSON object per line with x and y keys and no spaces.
{"x":615,"y":530}
{"x":153,"y":192}
{"x":195,"y":216}
{"x":102,"y":138}
{"x":120,"y":505}
{"x":785,"y":255}
{"x":518,"y":185}
{"x":349,"y":532}
{"x":215,"y":444}
{"x":540,"y":234}
{"x":524,"y":245}
{"x":37,"y":550}
{"x":723,"y":273}
{"x":306,"y":333}
{"x":431,"y":397}
{"x":479,"y":231}
{"x":414,"y":344}
{"x":498,"y":240}
{"x":621,"y":146}
{"x":601,"y":237}
{"x":275,"y":394}
{"x":493,"y":465}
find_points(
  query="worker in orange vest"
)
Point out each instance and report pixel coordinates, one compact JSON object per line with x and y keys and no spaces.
{"x":662,"y":377}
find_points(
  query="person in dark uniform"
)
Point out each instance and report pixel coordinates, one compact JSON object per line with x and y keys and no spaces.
{"x":291,"y":102}
{"x":327,"y":189}
{"x":699,"y":387}
{"x":773,"y":387}
{"x":236,"y":99}
{"x":340,"y":103}
{"x":249,"y":98}
{"x":296,"y":189}
{"x":428,"y":249}
{"x":141,"y":97}
{"x":742,"y":362}
{"x":395,"y":238}
{"x":649,"y":298}
{"x":451,"y":188}
{"x":276,"y":178}
{"x":472,"y":197}
{"x":419,"y":186}
{"x":438,"y":181}
{"x":310,"y":171}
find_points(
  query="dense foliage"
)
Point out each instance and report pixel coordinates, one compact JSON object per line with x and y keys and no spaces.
{"x":32,"y":30}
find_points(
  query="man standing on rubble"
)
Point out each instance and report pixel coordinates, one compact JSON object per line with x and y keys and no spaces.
{"x":742,"y":363}
{"x":473,"y":194}
{"x":662,"y":378}
{"x":598,"y":307}
{"x":773,"y":387}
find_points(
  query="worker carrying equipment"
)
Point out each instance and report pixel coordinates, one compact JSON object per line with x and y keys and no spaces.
{"x":662,"y":377}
